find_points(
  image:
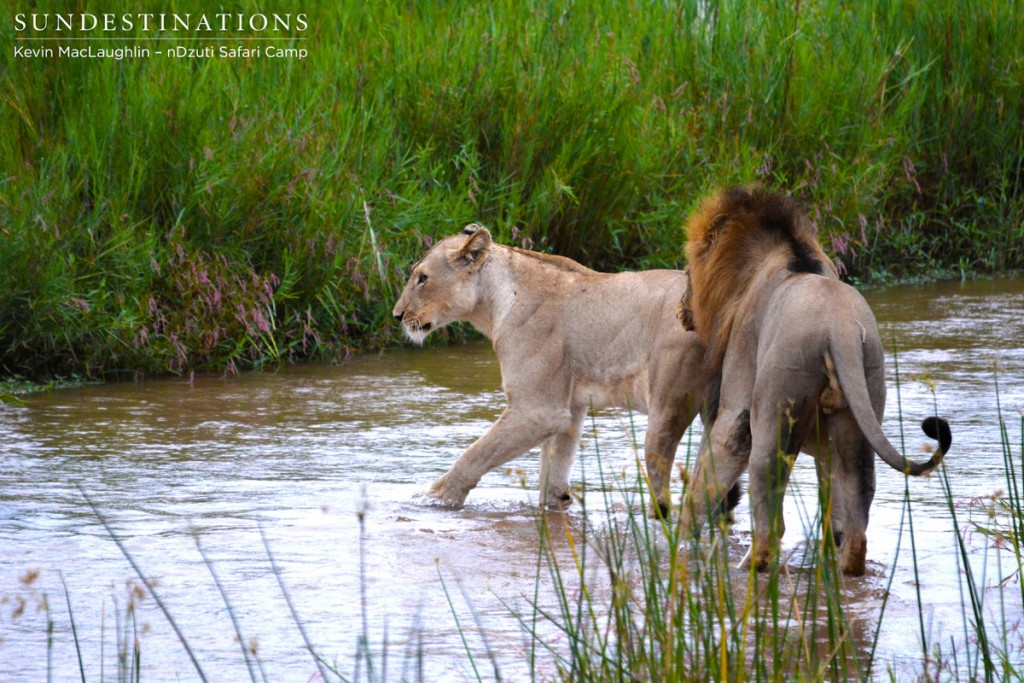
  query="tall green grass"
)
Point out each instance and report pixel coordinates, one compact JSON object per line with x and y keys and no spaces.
{"x":162,"y":215}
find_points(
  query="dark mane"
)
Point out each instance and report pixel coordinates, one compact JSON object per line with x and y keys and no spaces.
{"x":730,"y":238}
{"x":779,"y":215}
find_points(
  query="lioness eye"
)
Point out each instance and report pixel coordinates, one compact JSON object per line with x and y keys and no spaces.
{"x":422,"y":279}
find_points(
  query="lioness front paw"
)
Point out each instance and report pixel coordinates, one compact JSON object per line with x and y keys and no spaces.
{"x":447,"y":491}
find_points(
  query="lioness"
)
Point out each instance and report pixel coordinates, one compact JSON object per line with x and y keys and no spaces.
{"x":567,"y":338}
{"x":797,"y":364}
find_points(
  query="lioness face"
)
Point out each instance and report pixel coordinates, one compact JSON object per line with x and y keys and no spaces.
{"x":444,"y":286}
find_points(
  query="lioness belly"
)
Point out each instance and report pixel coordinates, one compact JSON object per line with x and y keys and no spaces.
{"x":630,"y":393}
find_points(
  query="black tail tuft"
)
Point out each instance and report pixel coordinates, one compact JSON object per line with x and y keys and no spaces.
{"x":938,"y":429}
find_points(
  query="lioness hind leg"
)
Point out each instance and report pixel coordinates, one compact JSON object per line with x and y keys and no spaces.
{"x":556,"y":457}
{"x":665,"y":428}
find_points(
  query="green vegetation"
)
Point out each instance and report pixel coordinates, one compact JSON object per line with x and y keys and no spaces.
{"x":164,"y":215}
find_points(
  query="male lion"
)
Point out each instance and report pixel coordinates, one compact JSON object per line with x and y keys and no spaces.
{"x":795,"y":363}
{"x":567,"y":338}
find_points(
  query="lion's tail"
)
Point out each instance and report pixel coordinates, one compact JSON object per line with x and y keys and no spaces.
{"x":849,"y":366}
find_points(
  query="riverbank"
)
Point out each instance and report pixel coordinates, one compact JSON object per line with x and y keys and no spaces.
{"x":165,"y":216}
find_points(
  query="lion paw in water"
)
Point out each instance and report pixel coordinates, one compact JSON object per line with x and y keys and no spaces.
{"x":557,"y":498}
{"x":446,"y":491}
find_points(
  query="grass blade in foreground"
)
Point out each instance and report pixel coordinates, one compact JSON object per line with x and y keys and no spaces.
{"x":291,"y":607}
{"x":458,"y":625}
{"x":145,"y":581}
{"x":74,"y":629}
{"x":230,"y":609}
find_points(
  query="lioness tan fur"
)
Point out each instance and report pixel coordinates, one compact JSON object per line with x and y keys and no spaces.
{"x":796,"y":363}
{"x":567,"y":338}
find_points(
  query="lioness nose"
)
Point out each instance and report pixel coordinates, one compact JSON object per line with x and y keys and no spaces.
{"x":398,"y":317}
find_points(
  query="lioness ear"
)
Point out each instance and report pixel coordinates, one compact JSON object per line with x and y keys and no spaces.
{"x":474,"y":251}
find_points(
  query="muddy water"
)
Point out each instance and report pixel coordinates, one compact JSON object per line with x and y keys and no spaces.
{"x":307,"y":452}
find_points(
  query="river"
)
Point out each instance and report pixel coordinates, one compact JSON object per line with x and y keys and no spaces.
{"x":330,"y":461}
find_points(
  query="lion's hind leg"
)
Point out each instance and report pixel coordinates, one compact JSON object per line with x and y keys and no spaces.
{"x":722,"y":459}
{"x":776,"y":438}
{"x":849,"y":479}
